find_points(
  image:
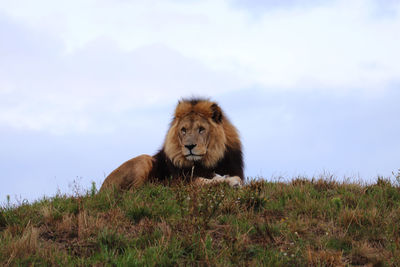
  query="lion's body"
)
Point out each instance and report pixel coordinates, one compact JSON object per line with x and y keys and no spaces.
{"x":201,"y":144}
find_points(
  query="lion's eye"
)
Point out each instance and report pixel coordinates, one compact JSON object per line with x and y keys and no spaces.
{"x":201,"y":129}
{"x":183,"y":130}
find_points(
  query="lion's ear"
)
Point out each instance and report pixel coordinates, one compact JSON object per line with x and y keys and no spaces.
{"x":216,"y":113}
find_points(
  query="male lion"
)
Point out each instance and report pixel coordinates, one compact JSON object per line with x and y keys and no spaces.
{"x":201,"y":146}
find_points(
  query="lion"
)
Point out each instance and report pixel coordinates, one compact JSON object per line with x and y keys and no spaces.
{"x":201,"y":146}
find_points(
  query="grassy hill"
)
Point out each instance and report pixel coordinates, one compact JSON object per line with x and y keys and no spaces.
{"x":299,"y":223}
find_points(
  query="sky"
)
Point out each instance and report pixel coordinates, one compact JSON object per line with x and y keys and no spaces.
{"x":312,"y":86}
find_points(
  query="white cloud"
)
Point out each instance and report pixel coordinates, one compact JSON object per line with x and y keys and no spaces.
{"x":64,"y":93}
{"x":66,"y":63}
{"x":323,"y":45}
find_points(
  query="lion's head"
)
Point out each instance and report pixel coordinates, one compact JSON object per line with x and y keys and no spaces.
{"x":199,"y":132}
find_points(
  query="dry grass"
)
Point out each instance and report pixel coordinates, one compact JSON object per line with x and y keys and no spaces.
{"x":24,"y":245}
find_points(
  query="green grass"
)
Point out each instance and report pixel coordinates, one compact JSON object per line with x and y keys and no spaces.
{"x":299,"y":223}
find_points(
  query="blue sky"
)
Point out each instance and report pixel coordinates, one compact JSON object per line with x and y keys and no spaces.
{"x":86,"y":85}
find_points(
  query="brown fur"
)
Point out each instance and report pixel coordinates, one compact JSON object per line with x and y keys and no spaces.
{"x":200,"y":143}
{"x":133,"y":172}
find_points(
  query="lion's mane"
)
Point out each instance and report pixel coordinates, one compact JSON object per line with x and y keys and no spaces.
{"x":224,"y":152}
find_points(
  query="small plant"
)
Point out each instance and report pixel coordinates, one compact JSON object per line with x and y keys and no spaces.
{"x":397,"y":176}
{"x":337,"y":202}
{"x":76,"y":187}
{"x":137,"y":213}
{"x":8,"y":202}
{"x":111,"y":240}
{"x":93,"y":189}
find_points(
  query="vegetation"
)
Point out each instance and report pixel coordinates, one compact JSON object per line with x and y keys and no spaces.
{"x":304,"y":222}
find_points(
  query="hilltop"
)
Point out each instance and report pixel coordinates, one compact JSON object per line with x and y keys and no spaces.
{"x":303,"y":222}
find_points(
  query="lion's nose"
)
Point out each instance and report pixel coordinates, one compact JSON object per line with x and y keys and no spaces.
{"x":190,"y":147}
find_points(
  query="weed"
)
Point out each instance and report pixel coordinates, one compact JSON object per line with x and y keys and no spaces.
{"x":137,"y":213}
{"x":93,"y":189}
{"x":337,"y":203}
{"x":111,"y":240}
{"x":397,"y":176}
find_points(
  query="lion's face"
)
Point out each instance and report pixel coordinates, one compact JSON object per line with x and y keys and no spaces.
{"x":197,"y":134}
{"x":193,"y":134}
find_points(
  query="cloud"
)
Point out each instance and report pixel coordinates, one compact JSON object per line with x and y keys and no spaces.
{"x":67,"y":67}
{"x":45,"y":88}
{"x":259,"y":7}
{"x":313,"y":45}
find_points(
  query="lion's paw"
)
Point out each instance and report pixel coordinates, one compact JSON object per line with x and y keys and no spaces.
{"x":234,"y":181}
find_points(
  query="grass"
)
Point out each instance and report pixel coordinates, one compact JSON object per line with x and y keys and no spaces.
{"x":317,"y":222}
